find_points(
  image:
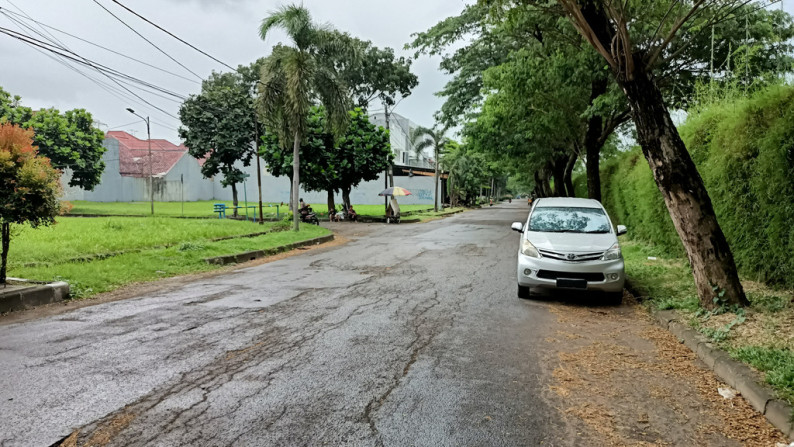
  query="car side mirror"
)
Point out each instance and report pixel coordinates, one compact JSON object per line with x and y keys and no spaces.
{"x":621,"y":229}
{"x":518,"y":226}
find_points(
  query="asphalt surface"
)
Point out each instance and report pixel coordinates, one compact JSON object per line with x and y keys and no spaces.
{"x":409,"y":335}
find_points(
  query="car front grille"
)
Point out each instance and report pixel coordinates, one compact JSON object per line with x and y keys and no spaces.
{"x":589,"y":277}
{"x":572,"y":257}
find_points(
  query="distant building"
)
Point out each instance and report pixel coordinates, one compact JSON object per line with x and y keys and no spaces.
{"x":400,"y":129}
{"x":177,"y":176}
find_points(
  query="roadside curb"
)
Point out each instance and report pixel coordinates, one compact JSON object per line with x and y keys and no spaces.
{"x":30,"y":297}
{"x":256,"y":254}
{"x":734,"y":373}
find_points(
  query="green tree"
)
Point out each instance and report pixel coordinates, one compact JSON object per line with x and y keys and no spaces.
{"x":435,"y":139}
{"x":375,"y":73}
{"x":466,"y":173}
{"x":69,"y":140}
{"x":328,"y":164}
{"x":29,"y":186}
{"x":219,"y":124}
{"x":638,"y":57}
{"x":361,"y":154}
{"x":293,"y":77}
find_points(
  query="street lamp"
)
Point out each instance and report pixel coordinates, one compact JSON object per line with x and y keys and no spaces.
{"x":151,"y":175}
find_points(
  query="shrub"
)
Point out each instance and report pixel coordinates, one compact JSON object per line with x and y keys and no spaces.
{"x":744,"y":150}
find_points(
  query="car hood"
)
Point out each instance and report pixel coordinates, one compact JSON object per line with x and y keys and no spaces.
{"x":572,"y":242}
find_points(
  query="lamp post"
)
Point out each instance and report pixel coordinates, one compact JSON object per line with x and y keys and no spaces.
{"x":151,"y":175}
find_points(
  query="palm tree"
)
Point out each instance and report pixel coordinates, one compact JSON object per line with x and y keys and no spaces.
{"x":296,"y":77}
{"x":423,"y":138}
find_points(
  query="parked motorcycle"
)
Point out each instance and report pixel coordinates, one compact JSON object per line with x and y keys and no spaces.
{"x":308,"y":216}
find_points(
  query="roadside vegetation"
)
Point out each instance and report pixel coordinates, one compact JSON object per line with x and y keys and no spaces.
{"x":742,"y":146}
{"x":761,"y":335}
{"x":101,"y":254}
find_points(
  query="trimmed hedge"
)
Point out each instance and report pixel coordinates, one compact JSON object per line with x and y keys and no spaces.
{"x":744,"y":150}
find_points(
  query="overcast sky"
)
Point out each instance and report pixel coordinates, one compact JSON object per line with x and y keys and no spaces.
{"x":226,"y":29}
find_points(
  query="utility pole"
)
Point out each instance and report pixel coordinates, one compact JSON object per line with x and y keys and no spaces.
{"x":258,"y":170}
{"x":386,"y":174}
{"x":151,"y":174}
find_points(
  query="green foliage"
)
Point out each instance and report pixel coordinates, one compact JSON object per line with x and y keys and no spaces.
{"x":219,"y":124}
{"x":744,"y":150}
{"x":29,"y":186}
{"x":69,"y":140}
{"x":295,"y":77}
{"x":360,"y":154}
{"x":777,"y":365}
{"x":466,"y":173}
{"x":374,"y":73}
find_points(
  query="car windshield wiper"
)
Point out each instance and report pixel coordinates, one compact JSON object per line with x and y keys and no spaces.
{"x":597,"y":232}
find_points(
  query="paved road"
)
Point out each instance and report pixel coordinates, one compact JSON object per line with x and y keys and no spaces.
{"x":408,"y":335}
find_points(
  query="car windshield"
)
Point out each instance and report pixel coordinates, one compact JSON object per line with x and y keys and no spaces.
{"x":568,"y":220}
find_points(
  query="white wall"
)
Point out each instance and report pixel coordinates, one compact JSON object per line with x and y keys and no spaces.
{"x":117,"y":188}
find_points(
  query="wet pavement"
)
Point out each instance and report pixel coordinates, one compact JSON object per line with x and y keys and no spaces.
{"x":407,"y":335}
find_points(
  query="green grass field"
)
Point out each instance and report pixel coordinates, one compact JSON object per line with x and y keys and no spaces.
{"x":135,"y":249}
{"x":204,"y":208}
{"x":73,"y":237}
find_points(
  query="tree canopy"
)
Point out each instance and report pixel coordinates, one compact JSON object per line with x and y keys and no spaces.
{"x":219,"y":126}
{"x":29,"y":186}
{"x":295,"y":77}
{"x":68,"y":139}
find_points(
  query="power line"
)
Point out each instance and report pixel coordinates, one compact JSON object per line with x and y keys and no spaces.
{"x":44,"y":25}
{"x":37,"y":43}
{"x":147,"y":40}
{"x":85,"y":61}
{"x":172,"y":35}
{"x":113,"y":90}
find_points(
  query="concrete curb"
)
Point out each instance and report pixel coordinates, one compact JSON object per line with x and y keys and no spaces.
{"x":33,"y":296}
{"x":251,"y":255}
{"x":736,"y":374}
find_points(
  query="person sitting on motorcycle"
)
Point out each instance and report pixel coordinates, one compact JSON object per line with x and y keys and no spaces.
{"x":303,"y":208}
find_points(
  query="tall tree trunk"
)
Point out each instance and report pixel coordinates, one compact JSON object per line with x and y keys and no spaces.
{"x":331,"y":202}
{"x":435,"y":193}
{"x":558,"y":172}
{"x":5,"y":228}
{"x":296,"y":147}
{"x":235,"y":202}
{"x":593,"y":143}
{"x":569,"y":174}
{"x":684,"y":193}
{"x":346,"y":196}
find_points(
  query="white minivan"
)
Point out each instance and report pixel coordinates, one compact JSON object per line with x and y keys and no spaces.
{"x":570,"y":243}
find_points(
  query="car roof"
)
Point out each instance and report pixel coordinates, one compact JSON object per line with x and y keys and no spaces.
{"x":573,"y":202}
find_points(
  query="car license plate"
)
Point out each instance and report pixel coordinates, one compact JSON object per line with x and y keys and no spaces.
{"x":569,"y":283}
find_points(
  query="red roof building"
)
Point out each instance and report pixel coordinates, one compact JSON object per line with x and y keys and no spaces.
{"x":134,"y":155}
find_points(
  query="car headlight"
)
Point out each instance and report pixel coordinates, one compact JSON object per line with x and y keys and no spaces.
{"x":613,"y":253}
{"x":527,"y":249}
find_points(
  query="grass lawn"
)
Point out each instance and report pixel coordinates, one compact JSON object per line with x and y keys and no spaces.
{"x":202,"y":208}
{"x":44,"y":254}
{"x":74,"y":237}
{"x":761,"y":335}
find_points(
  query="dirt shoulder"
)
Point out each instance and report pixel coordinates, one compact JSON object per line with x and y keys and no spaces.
{"x":632,"y":383}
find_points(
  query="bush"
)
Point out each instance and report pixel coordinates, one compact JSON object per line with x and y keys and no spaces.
{"x":744,"y":150}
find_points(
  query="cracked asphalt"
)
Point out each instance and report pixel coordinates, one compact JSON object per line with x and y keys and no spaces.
{"x":407,"y":335}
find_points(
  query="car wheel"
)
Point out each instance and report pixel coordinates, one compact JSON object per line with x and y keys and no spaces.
{"x":614,"y":298}
{"x":523,"y":292}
